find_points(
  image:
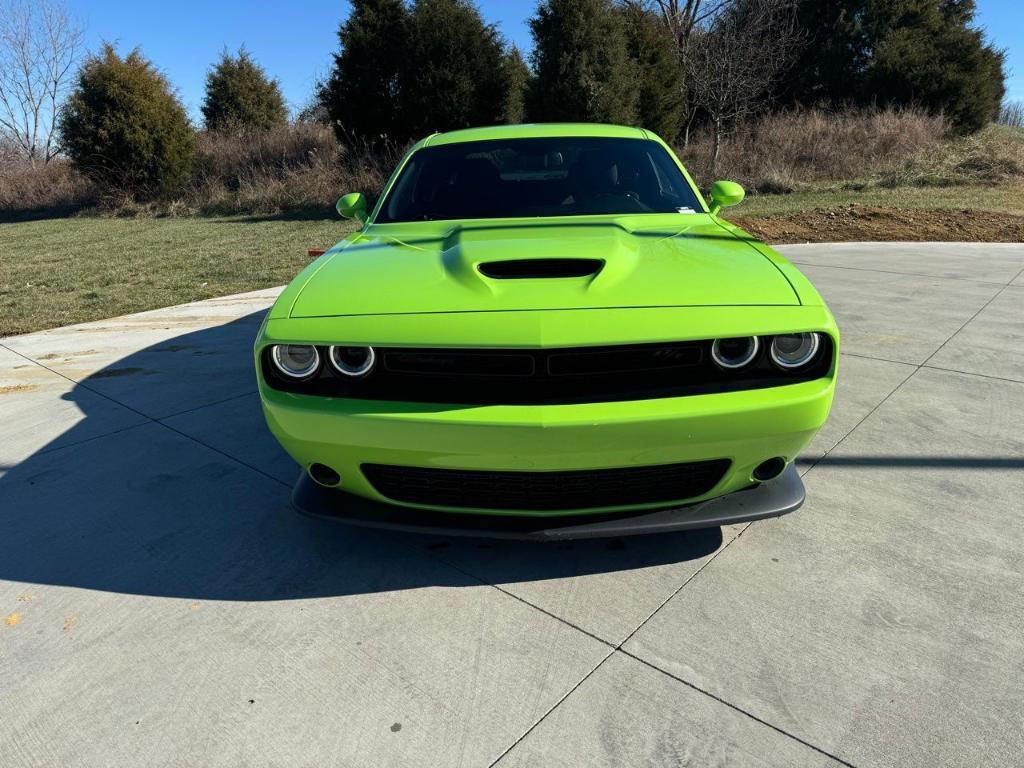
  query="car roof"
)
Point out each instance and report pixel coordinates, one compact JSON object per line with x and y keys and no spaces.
{"x":535,"y":131}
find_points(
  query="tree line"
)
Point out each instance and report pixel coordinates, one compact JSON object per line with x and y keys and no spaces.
{"x":404,"y":69}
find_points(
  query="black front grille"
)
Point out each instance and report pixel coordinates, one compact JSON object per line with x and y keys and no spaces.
{"x":545,"y":376}
{"x":546,"y":491}
{"x":455,"y":362}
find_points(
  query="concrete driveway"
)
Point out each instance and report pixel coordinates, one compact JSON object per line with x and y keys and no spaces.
{"x":161,"y":605}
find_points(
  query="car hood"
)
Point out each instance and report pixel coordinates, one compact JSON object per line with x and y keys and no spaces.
{"x":646,"y":261}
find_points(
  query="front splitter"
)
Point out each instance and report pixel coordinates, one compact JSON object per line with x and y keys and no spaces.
{"x":776,"y":497}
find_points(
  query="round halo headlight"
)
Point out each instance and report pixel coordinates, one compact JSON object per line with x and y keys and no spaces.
{"x":353,"y":361}
{"x":731,"y":354}
{"x":795,"y":350}
{"x":296,"y":361}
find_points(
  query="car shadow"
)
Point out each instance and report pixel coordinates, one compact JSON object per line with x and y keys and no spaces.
{"x":196,"y":505}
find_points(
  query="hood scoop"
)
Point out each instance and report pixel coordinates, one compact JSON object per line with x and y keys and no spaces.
{"x":519,"y":269}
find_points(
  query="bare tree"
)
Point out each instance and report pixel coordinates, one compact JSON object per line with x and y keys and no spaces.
{"x":40,"y":41}
{"x":735,"y":60}
{"x":682,"y":17}
{"x":1012,"y":113}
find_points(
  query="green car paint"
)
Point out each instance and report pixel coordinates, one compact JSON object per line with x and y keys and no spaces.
{"x":663,"y":277}
{"x":725,"y":194}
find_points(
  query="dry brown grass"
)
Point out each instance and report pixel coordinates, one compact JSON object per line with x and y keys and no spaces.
{"x":793,"y":148}
{"x":295,"y":167}
{"x":299,"y":167}
{"x":300,"y":170}
{"x":54,"y":187}
{"x":993,"y":156}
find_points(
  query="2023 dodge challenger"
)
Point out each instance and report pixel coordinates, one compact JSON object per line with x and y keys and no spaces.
{"x":545,"y":331}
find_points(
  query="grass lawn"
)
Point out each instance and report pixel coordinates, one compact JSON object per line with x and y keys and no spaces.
{"x":1007,"y":199}
{"x":61,"y":271}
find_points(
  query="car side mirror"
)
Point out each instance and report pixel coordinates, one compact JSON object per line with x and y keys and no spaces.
{"x":352,"y":206}
{"x":724,"y":194}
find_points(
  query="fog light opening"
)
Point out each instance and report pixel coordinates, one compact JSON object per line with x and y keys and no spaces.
{"x":769,"y":469}
{"x":324,"y":475}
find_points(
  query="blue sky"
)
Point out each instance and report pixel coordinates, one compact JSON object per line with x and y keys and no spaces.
{"x":294,"y":41}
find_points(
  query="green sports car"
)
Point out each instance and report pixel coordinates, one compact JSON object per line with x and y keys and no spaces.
{"x":545,"y":331}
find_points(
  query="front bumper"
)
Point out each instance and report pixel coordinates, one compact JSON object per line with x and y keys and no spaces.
{"x":776,"y":497}
{"x":745,"y":427}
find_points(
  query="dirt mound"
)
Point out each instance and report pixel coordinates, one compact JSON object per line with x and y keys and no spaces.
{"x":859,"y":222}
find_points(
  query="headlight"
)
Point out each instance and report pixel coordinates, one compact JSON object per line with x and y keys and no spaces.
{"x":795,"y":350}
{"x":734,"y":353}
{"x":353,"y":361}
{"x":296,"y":361}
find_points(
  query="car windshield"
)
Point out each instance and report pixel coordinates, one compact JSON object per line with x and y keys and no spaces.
{"x":514,"y":178}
